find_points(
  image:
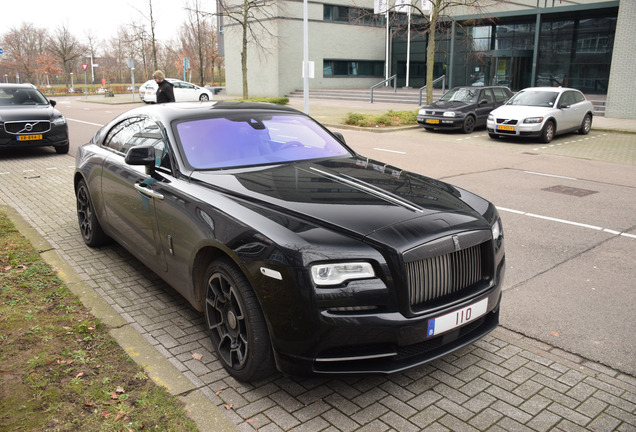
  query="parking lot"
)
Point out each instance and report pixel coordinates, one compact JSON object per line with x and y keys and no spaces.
{"x":562,"y":359}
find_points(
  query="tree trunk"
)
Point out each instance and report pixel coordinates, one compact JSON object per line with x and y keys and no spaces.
{"x":244,"y":60}
{"x":430,"y":58}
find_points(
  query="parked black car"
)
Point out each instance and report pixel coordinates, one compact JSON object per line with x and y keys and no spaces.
{"x":301,"y":253}
{"x":463,"y":108}
{"x":28,"y":119}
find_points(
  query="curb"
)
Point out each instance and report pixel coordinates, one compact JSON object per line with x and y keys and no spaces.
{"x":207,"y":416}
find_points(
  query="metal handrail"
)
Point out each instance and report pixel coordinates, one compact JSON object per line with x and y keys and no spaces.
{"x":435,"y":81}
{"x":394,"y":78}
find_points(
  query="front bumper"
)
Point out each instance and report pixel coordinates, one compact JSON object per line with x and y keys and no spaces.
{"x":390,"y":342}
{"x":440,"y":122}
{"x":56,"y":137}
{"x":517,"y":130}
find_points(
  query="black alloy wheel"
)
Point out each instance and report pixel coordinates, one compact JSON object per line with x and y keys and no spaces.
{"x":62,"y":149}
{"x":90,"y":228}
{"x":469,"y":124}
{"x":236,"y":323}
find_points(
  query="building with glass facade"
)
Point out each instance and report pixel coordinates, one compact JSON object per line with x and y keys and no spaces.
{"x":574,"y":43}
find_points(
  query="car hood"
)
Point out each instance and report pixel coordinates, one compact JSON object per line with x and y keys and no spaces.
{"x":356,"y":195}
{"x":520,"y":111}
{"x":449,"y":105}
{"x":28,"y":112}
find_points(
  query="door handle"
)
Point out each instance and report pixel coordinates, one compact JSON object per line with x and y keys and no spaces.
{"x":146,"y":190}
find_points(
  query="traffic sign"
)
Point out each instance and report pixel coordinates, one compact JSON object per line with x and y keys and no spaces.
{"x":1,"y":52}
{"x":84,"y":66}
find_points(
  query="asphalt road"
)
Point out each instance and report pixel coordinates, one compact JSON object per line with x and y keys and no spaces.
{"x":569,"y":220}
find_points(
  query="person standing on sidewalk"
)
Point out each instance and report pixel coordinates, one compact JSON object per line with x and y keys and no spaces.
{"x":165,"y":92}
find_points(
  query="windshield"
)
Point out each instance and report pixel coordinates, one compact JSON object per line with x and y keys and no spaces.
{"x":12,"y":96}
{"x":461,"y":95}
{"x":544,"y":98}
{"x":254,"y":139}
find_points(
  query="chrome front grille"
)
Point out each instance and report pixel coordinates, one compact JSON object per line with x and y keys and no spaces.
{"x":436,"y":277}
{"x":24,"y":127}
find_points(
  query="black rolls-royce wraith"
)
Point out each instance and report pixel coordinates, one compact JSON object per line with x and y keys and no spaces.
{"x":302,"y":254}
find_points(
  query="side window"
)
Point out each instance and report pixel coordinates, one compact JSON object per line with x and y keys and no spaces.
{"x":138,"y":131}
{"x":121,"y":133}
{"x":487,"y":94}
{"x":578,"y":97}
{"x":567,"y":98}
{"x":500,"y":94}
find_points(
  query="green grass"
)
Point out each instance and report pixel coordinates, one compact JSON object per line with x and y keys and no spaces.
{"x":60,"y":369}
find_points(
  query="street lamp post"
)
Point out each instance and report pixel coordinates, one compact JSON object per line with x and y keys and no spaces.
{"x":71,"y":80}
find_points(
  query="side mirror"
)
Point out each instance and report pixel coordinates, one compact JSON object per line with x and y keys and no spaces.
{"x":483,"y":102}
{"x":564,"y":106}
{"x":340,"y":137}
{"x":142,"y":155}
{"x":52,"y":102}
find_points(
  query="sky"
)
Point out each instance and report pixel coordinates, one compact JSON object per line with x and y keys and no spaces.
{"x":101,"y":17}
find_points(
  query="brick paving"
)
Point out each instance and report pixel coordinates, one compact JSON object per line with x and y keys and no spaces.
{"x":504,"y":382}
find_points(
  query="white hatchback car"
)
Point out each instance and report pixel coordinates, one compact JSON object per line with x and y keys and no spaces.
{"x":183,"y":91}
{"x":542,"y":112}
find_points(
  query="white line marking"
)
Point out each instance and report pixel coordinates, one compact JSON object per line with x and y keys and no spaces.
{"x":85,"y":122}
{"x":550,"y":175}
{"x":567,"y":222}
{"x":52,"y":168}
{"x":390,"y":151}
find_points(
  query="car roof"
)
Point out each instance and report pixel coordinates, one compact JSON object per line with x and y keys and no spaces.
{"x":553,"y":89}
{"x":183,"y":110}
{"x":21,"y":85}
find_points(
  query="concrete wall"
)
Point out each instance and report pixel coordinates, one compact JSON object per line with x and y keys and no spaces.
{"x":622,"y":83}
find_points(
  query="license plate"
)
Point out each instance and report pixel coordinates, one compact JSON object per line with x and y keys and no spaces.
{"x":29,"y":137}
{"x":506,"y":128}
{"x":457,"y":318}
{"x":432,"y":121}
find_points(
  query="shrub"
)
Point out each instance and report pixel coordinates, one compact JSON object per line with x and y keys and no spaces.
{"x":390,"y":118}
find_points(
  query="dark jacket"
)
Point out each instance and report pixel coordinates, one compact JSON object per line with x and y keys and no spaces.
{"x":165,"y":92}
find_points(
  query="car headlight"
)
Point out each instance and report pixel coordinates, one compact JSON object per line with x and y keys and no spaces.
{"x":449,"y":114}
{"x":59,"y":121}
{"x":337,"y":273}
{"x":491,"y":117}
{"x":497,"y":233}
{"x":533,"y":120}
{"x":422,"y":112}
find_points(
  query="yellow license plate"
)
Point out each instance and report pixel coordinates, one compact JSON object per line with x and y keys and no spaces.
{"x":432,"y":121}
{"x":29,"y":137}
{"x":506,"y":128}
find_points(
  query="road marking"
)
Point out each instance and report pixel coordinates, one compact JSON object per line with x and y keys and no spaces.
{"x":568,"y":222}
{"x":550,"y":175}
{"x":85,"y":122}
{"x":390,"y":151}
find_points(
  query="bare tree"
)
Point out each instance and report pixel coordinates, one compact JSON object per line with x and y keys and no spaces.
{"x":437,"y":14}
{"x":23,"y":46}
{"x":250,"y":16}
{"x":150,"y":36}
{"x":65,"y":48}
{"x":198,"y":41}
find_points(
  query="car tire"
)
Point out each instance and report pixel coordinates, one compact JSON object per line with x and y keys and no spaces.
{"x":62,"y":149}
{"x":204,"y":98}
{"x":91,"y":230}
{"x":236,"y":323}
{"x":586,"y":125}
{"x":469,"y":124}
{"x":548,"y":132}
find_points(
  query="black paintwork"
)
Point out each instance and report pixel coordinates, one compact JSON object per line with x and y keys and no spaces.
{"x":284,"y":217}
